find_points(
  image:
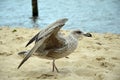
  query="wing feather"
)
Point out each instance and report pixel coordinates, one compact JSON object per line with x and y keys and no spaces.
{"x":48,"y":29}
{"x":37,"y":45}
{"x":33,"y":39}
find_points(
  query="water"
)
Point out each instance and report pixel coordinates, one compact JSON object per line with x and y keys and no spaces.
{"x":88,"y":15}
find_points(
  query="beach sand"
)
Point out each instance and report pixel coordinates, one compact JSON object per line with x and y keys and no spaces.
{"x":96,"y":58}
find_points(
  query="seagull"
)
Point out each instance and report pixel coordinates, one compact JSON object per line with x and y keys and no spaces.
{"x":51,"y":44}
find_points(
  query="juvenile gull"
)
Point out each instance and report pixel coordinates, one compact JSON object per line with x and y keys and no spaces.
{"x":51,"y":44}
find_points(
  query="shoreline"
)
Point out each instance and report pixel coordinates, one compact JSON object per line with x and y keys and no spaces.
{"x":38,"y":28}
{"x":96,"y":58}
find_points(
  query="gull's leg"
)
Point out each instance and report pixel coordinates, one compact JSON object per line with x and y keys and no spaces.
{"x":54,"y":66}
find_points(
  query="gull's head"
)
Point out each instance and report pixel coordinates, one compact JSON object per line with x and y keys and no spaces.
{"x":78,"y":34}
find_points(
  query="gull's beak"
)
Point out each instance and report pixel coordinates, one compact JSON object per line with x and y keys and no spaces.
{"x":87,"y":35}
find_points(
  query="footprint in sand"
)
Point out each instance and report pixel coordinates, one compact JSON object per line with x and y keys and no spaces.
{"x":100,"y":58}
{"x":47,"y":76}
{"x":5,"y":54}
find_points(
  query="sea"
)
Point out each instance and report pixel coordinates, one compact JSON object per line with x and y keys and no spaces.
{"x":102,"y":16}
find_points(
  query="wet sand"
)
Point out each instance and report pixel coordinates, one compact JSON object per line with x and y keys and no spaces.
{"x":96,"y":58}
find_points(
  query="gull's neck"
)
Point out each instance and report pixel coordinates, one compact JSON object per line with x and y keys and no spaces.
{"x":72,"y":35}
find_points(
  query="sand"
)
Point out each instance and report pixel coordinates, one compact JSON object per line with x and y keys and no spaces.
{"x":96,"y":58}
